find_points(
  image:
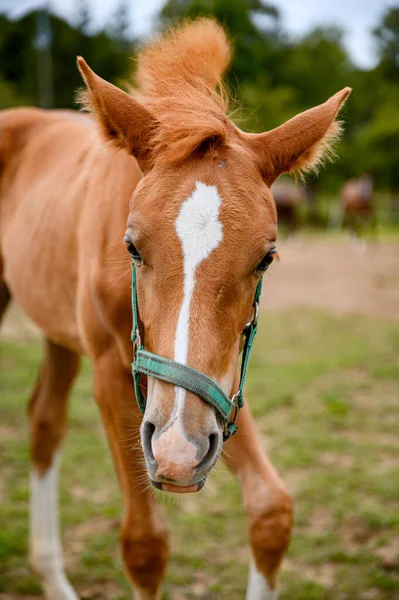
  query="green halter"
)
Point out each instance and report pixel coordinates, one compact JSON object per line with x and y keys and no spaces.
{"x":188,"y":378}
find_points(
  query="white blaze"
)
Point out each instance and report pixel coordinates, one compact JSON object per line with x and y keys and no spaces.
{"x":200,"y":231}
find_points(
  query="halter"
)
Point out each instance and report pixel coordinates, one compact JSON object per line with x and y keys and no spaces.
{"x":188,"y":378}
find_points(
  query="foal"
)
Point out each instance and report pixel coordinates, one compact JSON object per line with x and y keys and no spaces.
{"x":201,"y":230}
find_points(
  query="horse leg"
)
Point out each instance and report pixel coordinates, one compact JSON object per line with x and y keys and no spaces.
{"x":47,"y":415}
{"x":267,"y":505}
{"x":143,"y":536}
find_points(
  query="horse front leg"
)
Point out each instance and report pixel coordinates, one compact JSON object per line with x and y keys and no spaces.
{"x":144,"y":538}
{"x":267,"y":504}
{"x":47,"y":417}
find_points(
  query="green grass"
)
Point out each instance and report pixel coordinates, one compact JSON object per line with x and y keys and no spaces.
{"x":325,"y":393}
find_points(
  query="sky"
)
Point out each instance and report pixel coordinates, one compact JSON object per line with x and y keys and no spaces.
{"x":357,"y":17}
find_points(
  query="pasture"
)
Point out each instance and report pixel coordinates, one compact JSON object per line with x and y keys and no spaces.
{"x":324,"y":388}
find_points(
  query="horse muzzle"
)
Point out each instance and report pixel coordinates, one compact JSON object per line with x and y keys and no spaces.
{"x":176,"y":460}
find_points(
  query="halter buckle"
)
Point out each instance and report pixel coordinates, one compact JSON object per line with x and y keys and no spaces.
{"x":232,"y":421}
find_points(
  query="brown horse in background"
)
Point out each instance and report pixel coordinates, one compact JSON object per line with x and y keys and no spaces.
{"x":358,"y":203}
{"x":201,"y":228}
{"x":288,"y":198}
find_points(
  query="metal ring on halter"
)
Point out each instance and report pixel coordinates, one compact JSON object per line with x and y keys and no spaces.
{"x":236,"y":409}
{"x":254,"y":320}
{"x":256,"y":313}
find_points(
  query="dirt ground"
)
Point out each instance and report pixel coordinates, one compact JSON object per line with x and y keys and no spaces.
{"x":336,"y":275}
{"x":333,"y":274}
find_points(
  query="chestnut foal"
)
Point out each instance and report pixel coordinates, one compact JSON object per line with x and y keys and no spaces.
{"x":201,"y":229}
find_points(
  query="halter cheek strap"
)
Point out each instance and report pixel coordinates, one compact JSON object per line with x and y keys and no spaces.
{"x":198,"y":383}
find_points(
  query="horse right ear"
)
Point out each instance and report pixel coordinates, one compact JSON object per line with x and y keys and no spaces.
{"x":300,"y":144}
{"x":123,"y":121}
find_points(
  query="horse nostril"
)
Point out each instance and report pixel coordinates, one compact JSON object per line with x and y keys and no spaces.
{"x":147,"y":432}
{"x":213,"y":443}
{"x":212,"y":453}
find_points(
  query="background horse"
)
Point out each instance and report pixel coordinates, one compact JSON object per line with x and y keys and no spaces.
{"x":358,"y":203}
{"x":201,"y":229}
{"x":288,"y":198}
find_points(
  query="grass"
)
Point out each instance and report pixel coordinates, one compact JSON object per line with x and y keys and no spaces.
{"x":324,"y":391}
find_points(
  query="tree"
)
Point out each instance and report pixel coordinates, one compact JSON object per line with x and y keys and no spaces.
{"x":84,"y":17}
{"x":317,"y":66}
{"x":387,"y":36}
{"x":19,"y":64}
{"x":120,"y":25}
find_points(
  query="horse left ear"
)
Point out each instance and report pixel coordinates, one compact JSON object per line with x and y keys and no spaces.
{"x":301,"y":143}
{"x":123,"y":121}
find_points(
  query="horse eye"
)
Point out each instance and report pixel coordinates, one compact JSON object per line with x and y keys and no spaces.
{"x":266,"y":261}
{"x":131,"y":248}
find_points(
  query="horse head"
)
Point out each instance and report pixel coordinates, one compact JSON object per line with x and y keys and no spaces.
{"x":201,"y":228}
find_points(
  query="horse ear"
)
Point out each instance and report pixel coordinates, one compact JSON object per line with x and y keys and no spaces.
{"x":123,"y":121}
{"x":300,"y":144}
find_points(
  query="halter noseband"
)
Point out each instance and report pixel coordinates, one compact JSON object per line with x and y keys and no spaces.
{"x":188,"y":378}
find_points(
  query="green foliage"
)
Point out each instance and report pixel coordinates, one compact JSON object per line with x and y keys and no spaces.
{"x":19,"y":64}
{"x":272,"y":75}
{"x":9,"y":95}
{"x":387,"y":36}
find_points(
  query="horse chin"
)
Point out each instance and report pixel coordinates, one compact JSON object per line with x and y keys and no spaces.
{"x":178,"y":489}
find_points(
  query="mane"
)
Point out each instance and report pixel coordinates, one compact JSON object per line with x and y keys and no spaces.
{"x":179,"y":79}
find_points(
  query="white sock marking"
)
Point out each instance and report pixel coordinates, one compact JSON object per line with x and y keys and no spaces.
{"x":258,"y":587}
{"x":45,"y":545}
{"x":200,"y":232}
